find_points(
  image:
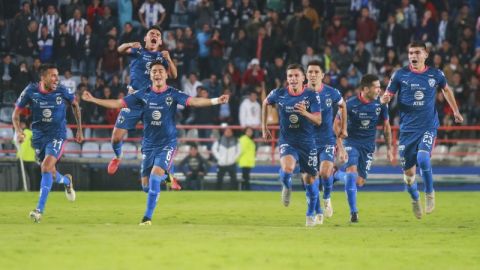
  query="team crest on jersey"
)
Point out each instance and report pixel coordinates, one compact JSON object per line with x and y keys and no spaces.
{"x":156,"y":115}
{"x":328,"y":102}
{"x":431,"y":82}
{"x":365,"y":123}
{"x":59,"y":100}
{"x":377,"y":111}
{"x":293,"y":118}
{"x":169,"y":100}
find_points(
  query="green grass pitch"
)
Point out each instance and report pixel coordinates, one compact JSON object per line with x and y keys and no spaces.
{"x":237,"y":230}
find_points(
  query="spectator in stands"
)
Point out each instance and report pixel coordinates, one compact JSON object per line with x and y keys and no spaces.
{"x":228,"y":112}
{"x":105,"y":23}
{"x":254,"y":75}
{"x":361,"y":57}
{"x":366,"y":29}
{"x":250,"y":111}
{"x":76,"y":25}
{"x":263,"y":47}
{"x":234,"y":76}
{"x":336,"y":33}
{"x":245,"y":12}
{"x":391,"y":34}
{"x":191,"y":50}
{"x":205,"y":14}
{"x":227,"y":19}
{"x":254,"y":24}
{"x":451,"y":67}
{"x":194,"y":167}
{"x":276,"y":74}
{"x":203,"y":51}
{"x":170,"y":42}
{"x":299,"y":35}
{"x":180,"y":58}
{"x":309,"y":56}
{"x":226,"y":151}
{"x":63,"y":49}
{"x":241,"y":50}
{"x":342,"y":58}
{"x":216,"y":47}
{"x":68,"y":81}
{"x":45,"y":46}
{"x":23,"y":78}
{"x":212,"y":84}
{"x":203,"y":116}
{"x":94,"y":12}
{"x":191,"y":85}
{"x":52,"y":20}
{"x":426,"y":30}
{"x":407,"y":17}
{"x":246,"y":160}
{"x":26,"y":43}
{"x":8,"y":71}
{"x":111,"y":62}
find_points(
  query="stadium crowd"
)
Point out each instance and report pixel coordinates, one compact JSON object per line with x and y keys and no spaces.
{"x":238,"y":47}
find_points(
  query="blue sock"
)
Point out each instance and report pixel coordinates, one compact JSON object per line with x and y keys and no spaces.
{"x":286,"y":179}
{"x":327,"y":187}
{"x":117,"y":149}
{"x":153,"y":192}
{"x":145,"y":188}
{"x":351,"y":190}
{"x":423,"y":159}
{"x":45,"y":186}
{"x":59,"y":179}
{"x":318,"y":206}
{"x":311,"y":191}
{"x":413,"y":190}
{"x":340,"y":176}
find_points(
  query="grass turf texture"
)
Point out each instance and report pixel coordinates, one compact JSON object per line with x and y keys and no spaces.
{"x":236,"y":230}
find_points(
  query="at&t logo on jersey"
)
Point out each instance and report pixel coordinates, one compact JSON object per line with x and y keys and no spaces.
{"x":418,"y":98}
{"x":156,"y":115}
{"x":365,"y":124}
{"x":293,"y":118}
{"x":47,"y":114}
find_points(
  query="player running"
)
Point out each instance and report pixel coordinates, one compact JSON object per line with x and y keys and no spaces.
{"x":364,"y":114}
{"x":324,"y":136}
{"x":299,"y":111}
{"x":159,"y":104}
{"x":416,"y":86}
{"x":48,"y":102}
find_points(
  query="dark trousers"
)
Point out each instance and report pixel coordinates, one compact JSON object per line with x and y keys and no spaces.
{"x":246,"y":178}
{"x":193,"y":182}
{"x":232,"y":171}
{"x":33,"y":174}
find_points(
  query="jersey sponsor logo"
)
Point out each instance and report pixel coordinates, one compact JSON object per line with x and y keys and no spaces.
{"x":47,"y":114}
{"x":419,"y":98}
{"x":293,"y":118}
{"x":59,"y":100}
{"x":365,"y":123}
{"x":431,"y":82}
{"x":169,"y":100}
{"x":156,"y":115}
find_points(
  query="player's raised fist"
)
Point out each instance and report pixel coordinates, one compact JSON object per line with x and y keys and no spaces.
{"x":385,"y":98}
{"x":135,"y":45}
{"x":166,"y":55}
{"x":87,"y":96}
{"x":20,"y":137}
{"x":223,"y":99}
{"x":458,"y":117}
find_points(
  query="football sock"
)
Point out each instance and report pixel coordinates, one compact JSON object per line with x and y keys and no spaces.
{"x":340,"y":175}
{"x":413,"y":190}
{"x":286,"y":179}
{"x":327,"y":187}
{"x":45,"y":186}
{"x":351,"y":191}
{"x":311,"y":191}
{"x":59,"y":179}
{"x":423,"y":159}
{"x":153,"y":193}
{"x":117,"y":149}
{"x":318,"y":206}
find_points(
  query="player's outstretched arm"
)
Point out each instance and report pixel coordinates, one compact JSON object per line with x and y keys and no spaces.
{"x":78,"y":119}
{"x":107,"y":103}
{"x":450,"y":97}
{"x":266,"y":135}
{"x":315,"y":118}
{"x":387,"y":133}
{"x":126,"y":47}
{"x":16,"y":124}
{"x":205,"y":102}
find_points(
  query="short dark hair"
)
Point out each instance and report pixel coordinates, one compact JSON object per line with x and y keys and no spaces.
{"x":367,"y":80}
{"x":157,"y":62}
{"x":295,"y":66}
{"x":315,"y":63}
{"x":154,"y":27}
{"x":44,"y":67}
{"x":417,"y":44}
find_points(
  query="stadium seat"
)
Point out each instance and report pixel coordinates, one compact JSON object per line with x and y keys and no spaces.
{"x":106,"y":150}
{"x":87,"y":133}
{"x":455,"y":153}
{"x":69,"y":133}
{"x":440,"y":152}
{"x":9,"y":97}
{"x":203,"y":151}
{"x":129,"y":151}
{"x":264,"y":153}
{"x":72,"y":150}
{"x":192,"y":133}
{"x":90,"y":150}
{"x":182,"y":152}
{"x":381,"y":153}
{"x":6,"y":114}
{"x":6,"y":133}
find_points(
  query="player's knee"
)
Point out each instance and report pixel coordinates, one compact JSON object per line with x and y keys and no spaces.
{"x":409,"y":179}
{"x":47,"y":167}
{"x":288,"y":170}
{"x":423,"y":159}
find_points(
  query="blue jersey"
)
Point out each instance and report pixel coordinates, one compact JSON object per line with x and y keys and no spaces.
{"x":295,"y":129}
{"x":159,"y":110}
{"x":362,"y":120}
{"x":140,"y":67}
{"x":329,"y":96}
{"x":48,"y":110}
{"x":416,"y":97}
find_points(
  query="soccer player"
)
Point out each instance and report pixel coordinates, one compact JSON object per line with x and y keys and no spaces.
{"x":48,"y":101}
{"x":364,"y":114}
{"x":159,"y":104}
{"x":416,"y":86}
{"x":139,"y":79}
{"x":324,"y":135}
{"x":299,"y":111}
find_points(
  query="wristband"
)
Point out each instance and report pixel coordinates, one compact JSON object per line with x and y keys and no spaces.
{"x":215,"y":101}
